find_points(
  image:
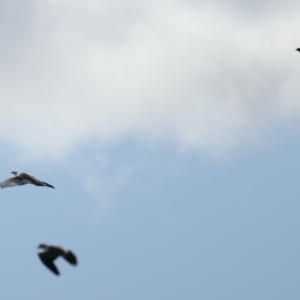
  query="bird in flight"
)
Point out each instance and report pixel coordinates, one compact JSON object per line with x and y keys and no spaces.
{"x":50,"y":253}
{"x":21,"y":178}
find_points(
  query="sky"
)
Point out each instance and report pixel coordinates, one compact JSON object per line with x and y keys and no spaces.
{"x":170,"y":130}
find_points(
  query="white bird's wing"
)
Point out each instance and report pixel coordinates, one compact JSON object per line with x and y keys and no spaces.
{"x":14,"y":181}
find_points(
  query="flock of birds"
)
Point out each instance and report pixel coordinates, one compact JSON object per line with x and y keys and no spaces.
{"x":50,"y":252}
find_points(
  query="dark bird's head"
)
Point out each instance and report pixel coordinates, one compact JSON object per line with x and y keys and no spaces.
{"x":14,"y":172}
{"x":42,"y":246}
{"x":298,"y":49}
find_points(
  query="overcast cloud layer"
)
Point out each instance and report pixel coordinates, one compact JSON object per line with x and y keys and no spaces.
{"x":204,"y":76}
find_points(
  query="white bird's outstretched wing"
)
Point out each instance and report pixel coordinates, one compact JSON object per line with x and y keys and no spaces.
{"x":14,"y":181}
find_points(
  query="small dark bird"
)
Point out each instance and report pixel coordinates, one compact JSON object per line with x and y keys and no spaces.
{"x":21,"y":179}
{"x":52,"y":252}
{"x":298,"y":49}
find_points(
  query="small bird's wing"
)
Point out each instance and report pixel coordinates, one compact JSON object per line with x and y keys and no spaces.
{"x":14,"y":181}
{"x":70,"y":257}
{"x":47,"y":260}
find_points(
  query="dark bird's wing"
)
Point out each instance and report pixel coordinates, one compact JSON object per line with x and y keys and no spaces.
{"x":29,"y":178}
{"x":48,"y":262}
{"x":35,"y":181}
{"x":14,"y":181}
{"x":24,"y":175}
{"x":70,"y":257}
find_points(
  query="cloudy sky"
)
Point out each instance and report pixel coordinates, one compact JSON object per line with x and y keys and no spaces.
{"x":170,"y":132}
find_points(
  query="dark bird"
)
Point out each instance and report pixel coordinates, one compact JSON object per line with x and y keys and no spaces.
{"x":298,"y":49}
{"x":21,"y":179}
{"x":50,"y":253}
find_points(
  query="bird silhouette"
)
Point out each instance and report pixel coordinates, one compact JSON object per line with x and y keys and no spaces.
{"x":50,"y":253}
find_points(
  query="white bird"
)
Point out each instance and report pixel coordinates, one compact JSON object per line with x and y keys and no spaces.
{"x":52,"y":252}
{"x":21,"y":179}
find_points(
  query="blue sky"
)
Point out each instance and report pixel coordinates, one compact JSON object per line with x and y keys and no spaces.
{"x":170,"y":132}
{"x":182,"y":227}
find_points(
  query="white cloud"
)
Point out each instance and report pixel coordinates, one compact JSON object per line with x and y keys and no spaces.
{"x":206,"y":76}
